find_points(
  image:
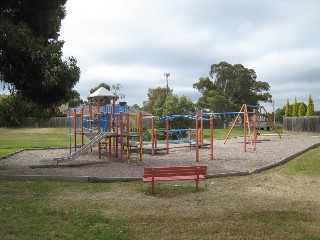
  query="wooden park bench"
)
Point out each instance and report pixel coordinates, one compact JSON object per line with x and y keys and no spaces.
{"x":174,"y":174}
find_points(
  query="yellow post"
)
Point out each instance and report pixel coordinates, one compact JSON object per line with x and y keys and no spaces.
{"x":121,"y":136}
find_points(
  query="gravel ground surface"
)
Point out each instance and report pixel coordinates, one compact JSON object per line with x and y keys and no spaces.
{"x":229,"y":158}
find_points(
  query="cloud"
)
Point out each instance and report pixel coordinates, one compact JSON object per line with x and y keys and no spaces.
{"x":135,"y":42}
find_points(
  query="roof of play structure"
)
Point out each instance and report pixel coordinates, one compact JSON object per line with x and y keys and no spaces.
{"x":102,"y":92}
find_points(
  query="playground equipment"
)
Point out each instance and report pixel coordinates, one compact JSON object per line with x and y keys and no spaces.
{"x":112,"y":127}
{"x":256,"y":119}
{"x":189,"y":143}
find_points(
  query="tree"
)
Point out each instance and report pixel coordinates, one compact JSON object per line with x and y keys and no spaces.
{"x":302,"y":109}
{"x":13,"y":109}
{"x":156,"y":98}
{"x":175,"y":105}
{"x":310,"y":108}
{"x":31,"y":54}
{"x":213,"y":98}
{"x":75,"y":100}
{"x":135,"y":106}
{"x":295,"y":108}
{"x":287,"y":112}
{"x":280,"y":113}
{"x":116,"y":90}
{"x":232,"y":86}
{"x":105,"y":85}
{"x":239,"y":83}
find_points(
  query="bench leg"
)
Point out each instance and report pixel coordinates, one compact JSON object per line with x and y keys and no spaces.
{"x":152,"y":187}
{"x":197,"y":184}
{"x":197,"y":180}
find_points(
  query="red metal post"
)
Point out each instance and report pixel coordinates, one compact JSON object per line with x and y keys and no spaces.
{"x":140,"y":135}
{"x":211,"y":136}
{"x":75,"y":129}
{"x":245,"y":129}
{"x":82,"y":128}
{"x":201,"y":129}
{"x":167,"y":134}
{"x":153,"y":136}
{"x":197,"y":139}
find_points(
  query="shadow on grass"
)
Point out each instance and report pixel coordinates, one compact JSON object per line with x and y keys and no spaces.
{"x":172,"y":189}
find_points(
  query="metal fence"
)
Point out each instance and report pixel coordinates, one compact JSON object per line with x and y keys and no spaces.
{"x":301,"y":124}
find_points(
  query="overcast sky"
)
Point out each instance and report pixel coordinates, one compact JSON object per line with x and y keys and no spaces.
{"x":134,"y":42}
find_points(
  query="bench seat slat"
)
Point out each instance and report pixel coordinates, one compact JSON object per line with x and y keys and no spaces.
{"x":176,"y":168}
{"x":175,"y":171}
{"x":168,"y":174}
{"x":173,"y":178}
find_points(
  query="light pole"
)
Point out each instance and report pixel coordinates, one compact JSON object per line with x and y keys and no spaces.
{"x":167,"y":75}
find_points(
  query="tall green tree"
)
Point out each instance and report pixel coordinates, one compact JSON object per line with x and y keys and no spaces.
{"x":212,"y":97}
{"x":31,"y":54}
{"x":75,"y":100}
{"x":229,"y":86}
{"x":175,"y":105}
{"x":310,"y":108}
{"x":156,"y":99}
{"x":288,"y":112}
{"x":302,"y":109}
{"x":295,"y":108}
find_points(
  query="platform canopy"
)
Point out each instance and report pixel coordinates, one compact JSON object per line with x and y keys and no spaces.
{"x":102,"y":92}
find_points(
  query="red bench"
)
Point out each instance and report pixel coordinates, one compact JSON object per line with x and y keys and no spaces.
{"x":174,"y":174}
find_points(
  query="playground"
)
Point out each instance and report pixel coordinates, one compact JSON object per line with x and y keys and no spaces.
{"x":108,"y":143}
{"x":229,"y":159}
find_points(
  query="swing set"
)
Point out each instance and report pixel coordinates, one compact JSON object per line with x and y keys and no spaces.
{"x":256,"y":120}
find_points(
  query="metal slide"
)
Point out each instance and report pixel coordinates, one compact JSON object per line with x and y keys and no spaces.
{"x":83,"y":149}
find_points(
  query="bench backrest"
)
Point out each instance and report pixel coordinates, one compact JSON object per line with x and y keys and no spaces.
{"x":175,"y":171}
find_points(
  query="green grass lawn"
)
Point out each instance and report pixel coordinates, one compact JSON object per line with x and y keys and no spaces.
{"x":281,"y":203}
{"x":14,"y":139}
